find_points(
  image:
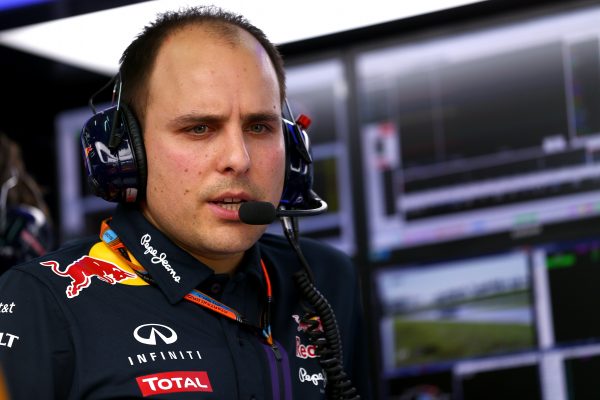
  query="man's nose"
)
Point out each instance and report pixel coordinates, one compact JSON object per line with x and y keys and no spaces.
{"x":235,"y":156}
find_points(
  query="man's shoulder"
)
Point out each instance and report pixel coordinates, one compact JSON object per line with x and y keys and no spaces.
{"x":67,"y":253}
{"x":273,"y":241}
{"x":315,"y":251}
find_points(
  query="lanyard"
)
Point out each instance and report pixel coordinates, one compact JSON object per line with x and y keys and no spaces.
{"x":195,"y":296}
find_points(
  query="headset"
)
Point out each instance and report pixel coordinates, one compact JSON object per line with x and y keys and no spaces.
{"x":24,"y":229}
{"x":115,"y":160}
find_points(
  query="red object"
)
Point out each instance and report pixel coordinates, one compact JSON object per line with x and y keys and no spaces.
{"x":174,"y":382}
{"x":303,"y":121}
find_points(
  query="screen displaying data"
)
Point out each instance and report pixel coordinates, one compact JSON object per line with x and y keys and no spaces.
{"x":491,"y":130}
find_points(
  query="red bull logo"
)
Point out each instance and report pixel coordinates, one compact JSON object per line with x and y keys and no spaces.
{"x":305,"y":351}
{"x":305,"y":326}
{"x":82,"y":271}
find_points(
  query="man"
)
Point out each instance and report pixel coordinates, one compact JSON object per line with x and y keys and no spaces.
{"x":180,"y":298}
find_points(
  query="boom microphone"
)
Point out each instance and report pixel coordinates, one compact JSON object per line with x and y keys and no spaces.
{"x":257,"y":213}
{"x":263,"y":212}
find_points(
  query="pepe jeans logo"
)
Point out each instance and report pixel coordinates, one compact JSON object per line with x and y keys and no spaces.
{"x":147,"y":334}
{"x":304,"y":376}
{"x":158,"y":258}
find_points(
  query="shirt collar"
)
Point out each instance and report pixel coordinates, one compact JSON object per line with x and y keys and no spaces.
{"x":250,"y":266}
{"x":174,"y":271}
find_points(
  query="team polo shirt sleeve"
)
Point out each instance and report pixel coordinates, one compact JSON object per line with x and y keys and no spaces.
{"x":36,"y":353}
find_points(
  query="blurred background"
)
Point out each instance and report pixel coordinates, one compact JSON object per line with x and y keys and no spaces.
{"x":458,"y":147}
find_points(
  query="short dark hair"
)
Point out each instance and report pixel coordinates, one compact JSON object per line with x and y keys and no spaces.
{"x":138,"y":58}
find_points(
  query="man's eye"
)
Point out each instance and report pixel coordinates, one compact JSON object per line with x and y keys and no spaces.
{"x":200,"y":129}
{"x":258,"y":128}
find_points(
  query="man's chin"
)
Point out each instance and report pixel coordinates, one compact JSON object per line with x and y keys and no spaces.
{"x":237,"y":238}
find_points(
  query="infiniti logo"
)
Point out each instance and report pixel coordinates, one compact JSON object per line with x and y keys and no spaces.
{"x":147,"y":334}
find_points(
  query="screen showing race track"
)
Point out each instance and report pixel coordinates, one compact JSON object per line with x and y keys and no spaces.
{"x":459,"y":326}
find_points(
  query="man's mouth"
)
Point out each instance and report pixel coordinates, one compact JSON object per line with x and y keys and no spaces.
{"x":230,"y":203}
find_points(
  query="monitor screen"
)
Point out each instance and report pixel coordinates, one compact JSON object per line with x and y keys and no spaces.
{"x":488,"y":129}
{"x":446,"y":310}
{"x":516,"y":322}
{"x":480,"y":159}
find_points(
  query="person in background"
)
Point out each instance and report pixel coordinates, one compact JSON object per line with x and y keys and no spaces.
{"x":25,"y":223}
{"x":183,"y":294}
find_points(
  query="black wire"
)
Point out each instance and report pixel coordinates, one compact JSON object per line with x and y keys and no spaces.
{"x":93,"y":96}
{"x":290,"y":228}
{"x":328,"y":341}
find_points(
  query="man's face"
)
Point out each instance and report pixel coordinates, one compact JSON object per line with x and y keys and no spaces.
{"x":213,"y":138}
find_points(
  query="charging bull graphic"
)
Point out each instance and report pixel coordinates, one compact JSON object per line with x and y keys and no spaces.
{"x":82,"y":271}
{"x":306,"y":325}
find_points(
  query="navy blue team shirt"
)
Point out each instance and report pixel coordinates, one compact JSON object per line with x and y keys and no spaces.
{"x":80,"y":324}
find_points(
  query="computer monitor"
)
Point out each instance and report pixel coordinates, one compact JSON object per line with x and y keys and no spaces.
{"x":481,"y":128}
{"x":517,"y":321}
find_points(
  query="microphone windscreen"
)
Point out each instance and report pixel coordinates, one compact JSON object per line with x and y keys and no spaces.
{"x":257,"y":213}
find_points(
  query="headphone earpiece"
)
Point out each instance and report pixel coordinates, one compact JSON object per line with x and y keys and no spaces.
{"x":137,"y":144}
{"x":116,"y":174}
{"x":297,"y":189}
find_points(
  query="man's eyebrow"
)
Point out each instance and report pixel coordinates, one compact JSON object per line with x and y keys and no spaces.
{"x":194,"y":118}
{"x":265,"y":117}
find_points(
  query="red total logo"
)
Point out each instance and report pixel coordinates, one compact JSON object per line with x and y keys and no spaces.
{"x":174,"y":382}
